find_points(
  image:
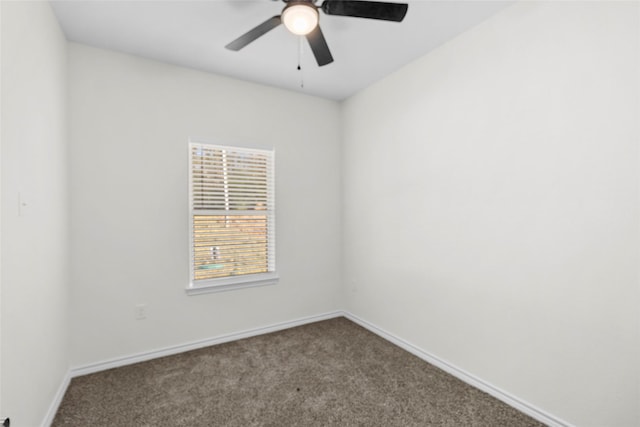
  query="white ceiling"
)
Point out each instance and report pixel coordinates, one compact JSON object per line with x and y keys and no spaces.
{"x":193,"y":34}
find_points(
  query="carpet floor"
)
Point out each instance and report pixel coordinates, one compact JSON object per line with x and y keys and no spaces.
{"x":329,"y":373}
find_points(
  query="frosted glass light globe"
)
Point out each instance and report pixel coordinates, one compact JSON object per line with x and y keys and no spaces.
{"x":300,"y":19}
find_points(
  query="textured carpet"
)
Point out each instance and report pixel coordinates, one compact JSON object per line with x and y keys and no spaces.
{"x":327,"y":373}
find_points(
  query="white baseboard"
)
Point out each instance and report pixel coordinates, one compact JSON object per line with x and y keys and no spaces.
{"x":461,"y":374}
{"x":527,"y":408}
{"x":181,"y":348}
{"x":57,"y":399}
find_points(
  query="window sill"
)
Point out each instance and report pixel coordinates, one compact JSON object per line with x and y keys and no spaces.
{"x":232,"y":283}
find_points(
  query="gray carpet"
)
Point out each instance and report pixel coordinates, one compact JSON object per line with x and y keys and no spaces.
{"x":327,"y":373}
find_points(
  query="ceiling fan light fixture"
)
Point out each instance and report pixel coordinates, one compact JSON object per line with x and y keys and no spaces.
{"x":300,"y":18}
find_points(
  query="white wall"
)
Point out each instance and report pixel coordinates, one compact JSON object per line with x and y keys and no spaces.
{"x":130,"y":121}
{"x":491,"y":206}
{"x":35,"y":285}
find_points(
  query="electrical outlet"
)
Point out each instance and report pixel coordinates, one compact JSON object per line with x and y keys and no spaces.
{"x":141,"y":311}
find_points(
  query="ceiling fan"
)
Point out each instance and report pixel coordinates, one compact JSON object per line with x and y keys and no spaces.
{"x":301,"y":17}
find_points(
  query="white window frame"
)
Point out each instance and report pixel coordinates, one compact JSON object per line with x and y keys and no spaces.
{"x":227,"y":283}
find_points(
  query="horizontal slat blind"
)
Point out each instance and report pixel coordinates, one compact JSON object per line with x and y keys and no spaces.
{"x":232,"y":211}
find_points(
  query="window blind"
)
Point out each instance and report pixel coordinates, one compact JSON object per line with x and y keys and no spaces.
{"x":232,"y":211}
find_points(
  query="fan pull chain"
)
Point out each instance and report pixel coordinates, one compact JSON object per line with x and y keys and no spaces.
{"x":300,"y":61}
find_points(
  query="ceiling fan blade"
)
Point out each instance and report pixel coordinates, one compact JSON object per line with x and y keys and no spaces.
{"x":366,"y":9}
{"x":253,"y":34}
{"x":319,"y":47}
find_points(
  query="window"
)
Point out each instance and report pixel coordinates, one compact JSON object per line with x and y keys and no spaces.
{"x":232,"y":220}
